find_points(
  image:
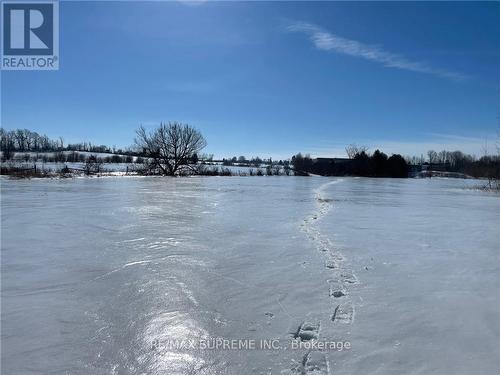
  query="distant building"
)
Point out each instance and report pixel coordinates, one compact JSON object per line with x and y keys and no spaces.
{"x":332,"y":160}
{"x":440,"y":167}
{"x":414,"y":169}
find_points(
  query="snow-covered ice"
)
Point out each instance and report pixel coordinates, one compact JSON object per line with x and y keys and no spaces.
{"x":101,"y":276}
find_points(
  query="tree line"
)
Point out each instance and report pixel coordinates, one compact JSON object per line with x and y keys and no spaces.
{"x":360,"y":163}
{"x":24,"y":140}
{"x":173,"y":149}
{"x":74,"y":157}
{"x":254,"y":162}
{"x":456,"y":161}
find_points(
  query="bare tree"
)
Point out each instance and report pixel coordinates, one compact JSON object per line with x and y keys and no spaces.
{"x":443,"y":156}
{"x":353,"y":149}
{"x":170,"y":147}
{"x":20,"y":137}
{"x":433,"y":156}
{"x":7,"y":144}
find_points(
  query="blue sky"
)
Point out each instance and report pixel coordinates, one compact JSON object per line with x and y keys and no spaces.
{"x":270,"y":78}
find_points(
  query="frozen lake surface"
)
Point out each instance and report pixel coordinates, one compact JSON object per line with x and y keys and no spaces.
{"x":102,"y":275}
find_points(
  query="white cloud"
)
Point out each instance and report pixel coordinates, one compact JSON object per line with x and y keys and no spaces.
{"x":327,"y":41}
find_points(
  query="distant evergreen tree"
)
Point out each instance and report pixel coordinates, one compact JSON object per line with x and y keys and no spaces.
{"x":397,"y":166}
{"x":361,"y":165}
{"x":378,"y":164}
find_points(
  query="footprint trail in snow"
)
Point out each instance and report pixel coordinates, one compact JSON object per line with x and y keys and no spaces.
{"x":342,"y":311}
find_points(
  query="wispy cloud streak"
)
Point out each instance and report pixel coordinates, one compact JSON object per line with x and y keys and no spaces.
{"x":327,"y":41}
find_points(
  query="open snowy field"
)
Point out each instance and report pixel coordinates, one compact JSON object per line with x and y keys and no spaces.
{"x":108,"y":275}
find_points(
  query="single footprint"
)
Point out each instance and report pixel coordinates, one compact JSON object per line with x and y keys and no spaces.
{"x":315,"y":363}
{"x":336,"y":256}
{"x":331,"y":263}
{"x":343,"y":313}
{"x":307,"y":330}
{"x":348,"y":277}
{"x":337,"y":290}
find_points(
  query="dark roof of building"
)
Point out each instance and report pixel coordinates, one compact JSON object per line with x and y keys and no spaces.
{"x":332,"y":160}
